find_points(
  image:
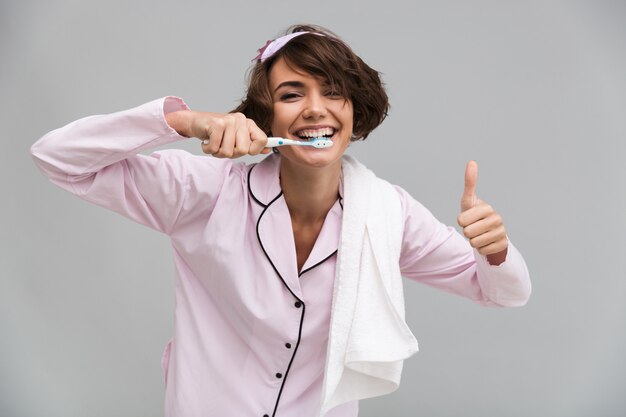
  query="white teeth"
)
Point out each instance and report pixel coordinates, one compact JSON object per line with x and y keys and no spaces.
{"x":315,"y":133}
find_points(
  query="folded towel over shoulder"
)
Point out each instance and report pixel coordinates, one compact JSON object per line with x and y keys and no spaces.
{"x":369,"y":338}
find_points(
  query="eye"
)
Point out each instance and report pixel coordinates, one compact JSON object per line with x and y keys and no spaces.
{"x":333,"y":94}
{"x":289,"y":96}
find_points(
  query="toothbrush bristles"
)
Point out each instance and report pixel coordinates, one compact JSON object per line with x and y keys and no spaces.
{"x":321,"y":142}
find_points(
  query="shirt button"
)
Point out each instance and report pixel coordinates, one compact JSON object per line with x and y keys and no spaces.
{"x":265,"y":415}
{"x":288,"y":345}
{"x":279,"y":375}
{"x":298,"y":304}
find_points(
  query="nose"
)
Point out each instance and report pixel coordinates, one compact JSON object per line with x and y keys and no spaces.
{"x":315,"y":106}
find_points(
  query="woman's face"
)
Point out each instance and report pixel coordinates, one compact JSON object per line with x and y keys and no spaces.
{"x":305,"y":107}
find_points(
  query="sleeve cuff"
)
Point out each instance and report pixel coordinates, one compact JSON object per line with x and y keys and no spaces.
{"x":173,"y":103}
{"x":507,"y":284}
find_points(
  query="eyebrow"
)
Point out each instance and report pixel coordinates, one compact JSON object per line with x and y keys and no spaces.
{"x":289,"y":84}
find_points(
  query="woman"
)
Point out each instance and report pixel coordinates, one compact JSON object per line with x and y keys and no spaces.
{"x":287,"y":294}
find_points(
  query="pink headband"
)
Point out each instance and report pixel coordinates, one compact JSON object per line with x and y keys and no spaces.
{"x":271,"y":47}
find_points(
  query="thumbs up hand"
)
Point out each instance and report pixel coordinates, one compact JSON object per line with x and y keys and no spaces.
{"x":481,"y":224}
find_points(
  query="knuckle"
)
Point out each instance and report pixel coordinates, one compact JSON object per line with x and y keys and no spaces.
{"x":229,"y":120}
{"x":219,"y":122}
{"x":252,"y":124}
{"x":240,"y":151}
{"x":254,"y":149}
{"x":259,"y":143}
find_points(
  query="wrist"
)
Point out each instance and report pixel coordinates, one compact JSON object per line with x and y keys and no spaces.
{"x":497,"y":258}
{"x":179,"y":121}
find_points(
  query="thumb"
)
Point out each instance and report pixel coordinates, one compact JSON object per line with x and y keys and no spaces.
{"x":469,"y":199}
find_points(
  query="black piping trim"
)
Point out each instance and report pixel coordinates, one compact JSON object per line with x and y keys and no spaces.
{"x":319,"y":263}
{"x":295,"y":349}
{"x":329,"y":256}
{"x":291,"y":361}
{"x":250,"y":189}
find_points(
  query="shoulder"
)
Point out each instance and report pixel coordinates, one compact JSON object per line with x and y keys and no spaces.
{"x":413,"y":210}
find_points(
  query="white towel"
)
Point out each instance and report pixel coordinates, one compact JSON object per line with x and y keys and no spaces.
{"x":369,"y":338}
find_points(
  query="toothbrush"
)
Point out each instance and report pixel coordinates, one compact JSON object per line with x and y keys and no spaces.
{"x":319,"y":143}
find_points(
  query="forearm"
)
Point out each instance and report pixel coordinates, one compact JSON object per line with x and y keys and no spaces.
{"x":87,"y":145}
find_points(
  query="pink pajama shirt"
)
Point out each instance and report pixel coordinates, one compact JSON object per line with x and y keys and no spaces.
{"x":251,"y":331}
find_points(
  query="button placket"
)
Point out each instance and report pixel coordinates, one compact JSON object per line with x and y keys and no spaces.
{"x":291,"y":349}
{"x":288,"y":345}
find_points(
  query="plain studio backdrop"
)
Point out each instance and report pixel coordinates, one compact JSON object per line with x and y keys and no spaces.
{"x":535,"y":91}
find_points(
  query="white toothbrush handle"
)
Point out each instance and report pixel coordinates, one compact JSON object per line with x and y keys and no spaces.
{"x":274,"y":142}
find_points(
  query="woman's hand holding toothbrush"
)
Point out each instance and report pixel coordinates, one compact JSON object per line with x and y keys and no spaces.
{"x":223,"y":135}
{"x":231,"y":135}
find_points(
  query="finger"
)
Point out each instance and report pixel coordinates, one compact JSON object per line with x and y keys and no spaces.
{"x":468,"y":200}
{"x":213,"y":140}
{"x":483,"y":226}
{"x":228,"y":142}
{"x":494,"y":248}
{"x":472,"y":215}
{"x":258,"y":138}
{"x":242,"y":142}
{"x":488,"y":238}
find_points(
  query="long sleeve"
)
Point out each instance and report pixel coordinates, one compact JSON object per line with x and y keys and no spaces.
{"x":437,"y":255}
{"x":98,"y":158}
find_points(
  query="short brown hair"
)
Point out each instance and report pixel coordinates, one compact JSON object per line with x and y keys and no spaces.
{"x":330,"y":59}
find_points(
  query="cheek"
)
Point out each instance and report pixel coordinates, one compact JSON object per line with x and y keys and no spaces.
{"x":346,"y":112}
{"x":280,"y":119}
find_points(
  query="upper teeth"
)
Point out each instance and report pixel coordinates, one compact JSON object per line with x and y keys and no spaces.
{"x":316,"y":133}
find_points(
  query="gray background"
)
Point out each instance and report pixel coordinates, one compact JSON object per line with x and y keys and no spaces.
{"x":534,"y":90}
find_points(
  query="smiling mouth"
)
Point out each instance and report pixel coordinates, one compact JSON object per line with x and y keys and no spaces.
{"x":309,"y":134}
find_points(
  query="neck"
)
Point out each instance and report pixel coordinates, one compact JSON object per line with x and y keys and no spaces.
{"x":309,"y":192}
